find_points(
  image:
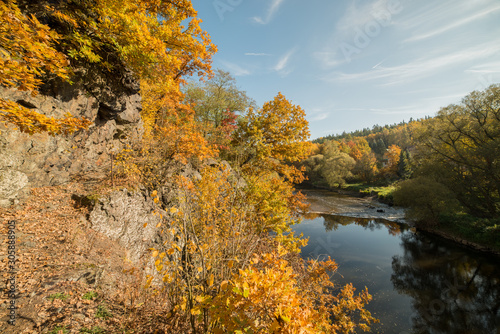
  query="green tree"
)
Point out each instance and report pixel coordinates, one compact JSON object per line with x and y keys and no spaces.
{"x":426,"y":199}
{"x":336,"y":166}
{"x":215,"y":97}
{"x":216,"y":103}
{"x":404,"y":166}
{"x":464,"y":139}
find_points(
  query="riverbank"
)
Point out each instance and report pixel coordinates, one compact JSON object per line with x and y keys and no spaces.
{"x":452,"y":236}
{"x":351,"y":203}
{"x":343,"y":203}
{"x":382,"y":192}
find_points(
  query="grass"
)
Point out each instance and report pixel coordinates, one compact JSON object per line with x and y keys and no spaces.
{"x":58,"y":295}
{"x":90,"y":295}
{"x":59,"y":330}
{"x":103,"y":312}
{"x":383,"y":191}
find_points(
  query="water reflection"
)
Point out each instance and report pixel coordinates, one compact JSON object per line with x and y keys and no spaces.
{"x":332,"y":222}
{"x":453,"y":290}
{"x":420,"y":284}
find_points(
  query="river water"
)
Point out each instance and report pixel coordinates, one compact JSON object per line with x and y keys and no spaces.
{"x":419,"y":283}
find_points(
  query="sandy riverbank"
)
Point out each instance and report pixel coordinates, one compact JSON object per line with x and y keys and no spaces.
{"x":328,"y":202}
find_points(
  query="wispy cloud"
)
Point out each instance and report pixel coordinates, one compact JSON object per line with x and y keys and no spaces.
{"x":275,"y":5}
{"x":235,"y":69}
{"x":439,"y":30}
{"x":320,"y":117}
{"x":359,"y":16}
{"x":417,"y":69}
{"x":330,"y":59}
{"x":319,"y":114}
{"x":492,"y":67}
{"x":282,"y":64}
{"x":257,"y":54}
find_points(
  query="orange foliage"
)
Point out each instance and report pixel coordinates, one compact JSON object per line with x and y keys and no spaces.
{"x":268,"y":297}
{"x":26,"y":54}
{"x":273,"y":137}
{"x":278,"y":130}
{"x":356,"y":148}
{"x":392,"y":155}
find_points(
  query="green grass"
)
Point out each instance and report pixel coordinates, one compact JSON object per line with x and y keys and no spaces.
{"x":58,"y":295}
{"x":383,"y":191}
{"x":59,"y":329}
{"x":90,"y":295}
{"x":103,"y":312}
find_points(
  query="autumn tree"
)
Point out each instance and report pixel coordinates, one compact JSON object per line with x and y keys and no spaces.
{"x":366,"y":167}
{"x":160,"y":42}
{"x":465,"y":140}
{"x":273,"y":136}
{"x":337,"y":169}
{"x":217,"y":103}
{"x":27,"y":54}
{"x":391,"y":157}
{"x":269,"y":297}
{"x":213,"y":274}
{"x":330,"y":165}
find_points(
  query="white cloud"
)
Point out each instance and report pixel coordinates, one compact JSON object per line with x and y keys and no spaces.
{"x":257,"y":54}
{"x":456,"y":24}
{"x":282,"y":64}
{"x":358,"y":18}
{"x":320,"y":117}
{"x":235,"y":69}
{"x":488,"y":68}
{"x":419,"y":68}
{"x":275,"y":5}
{"x":330,"y":59}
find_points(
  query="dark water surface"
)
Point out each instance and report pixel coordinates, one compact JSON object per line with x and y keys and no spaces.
{"x":419,"y":283}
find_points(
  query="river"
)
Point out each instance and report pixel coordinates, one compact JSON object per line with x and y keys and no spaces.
{"x":419,"y":283}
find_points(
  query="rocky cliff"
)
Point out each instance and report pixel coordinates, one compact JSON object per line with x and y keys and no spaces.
{"x":112,"y":103}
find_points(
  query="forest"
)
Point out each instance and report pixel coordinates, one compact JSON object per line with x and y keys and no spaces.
{"x":444,"y":169}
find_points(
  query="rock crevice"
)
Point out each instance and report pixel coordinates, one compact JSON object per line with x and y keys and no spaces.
{"x":113,"y":105}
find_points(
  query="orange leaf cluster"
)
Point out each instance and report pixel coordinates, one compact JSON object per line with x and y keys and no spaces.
{"x":26,"y":54}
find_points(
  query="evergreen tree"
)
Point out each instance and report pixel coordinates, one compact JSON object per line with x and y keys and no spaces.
{"x":404,"y":166}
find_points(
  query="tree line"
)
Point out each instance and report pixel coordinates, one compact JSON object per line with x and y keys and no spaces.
{"x":445,"y":169}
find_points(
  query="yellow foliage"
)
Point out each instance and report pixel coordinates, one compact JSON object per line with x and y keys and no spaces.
{"x":278,"y":131}
{"x":268,"y":297}
{"x":26,"y":54}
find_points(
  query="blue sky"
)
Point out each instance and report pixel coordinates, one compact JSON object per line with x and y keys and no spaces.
{"x":355,"y":63}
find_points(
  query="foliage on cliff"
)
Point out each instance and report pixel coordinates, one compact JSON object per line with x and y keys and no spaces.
{"x":26,"y":54}
{"x":146,"y":37}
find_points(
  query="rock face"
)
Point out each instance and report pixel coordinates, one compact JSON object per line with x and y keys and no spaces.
{"x":112,"y":104}
{"x":122,"y":216}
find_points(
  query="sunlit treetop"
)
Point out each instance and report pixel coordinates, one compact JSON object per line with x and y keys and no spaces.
{"x":159,"y":41}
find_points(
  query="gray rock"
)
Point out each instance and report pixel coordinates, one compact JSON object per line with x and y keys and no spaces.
{"x":122,"y":216}
{"x":14,"y":185}
{"x":112,"y":104}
